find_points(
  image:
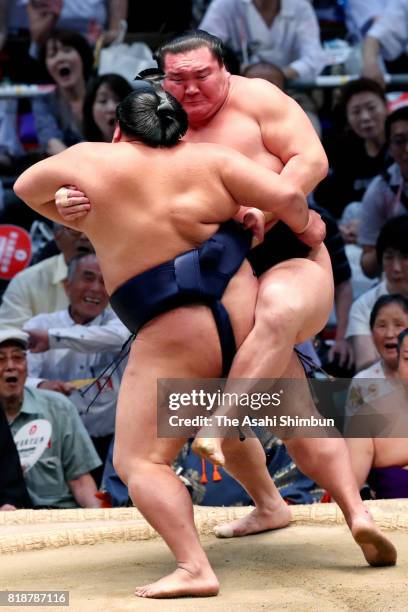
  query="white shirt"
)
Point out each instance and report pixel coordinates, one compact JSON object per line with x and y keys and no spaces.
{"x":367,"y":386}
{"x":391,"y":30}
{"x":37,"y":289}
{"x":360,"y":13}
{"x":80,"y":352}
{"x":359,"y":317}
{"x":292,"y":40}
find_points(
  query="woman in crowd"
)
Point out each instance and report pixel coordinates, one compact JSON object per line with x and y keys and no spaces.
{"x":359,"y":154}
{"x":103,"y":95}
{"x":68,"y":59}
{"x":381,"y":458}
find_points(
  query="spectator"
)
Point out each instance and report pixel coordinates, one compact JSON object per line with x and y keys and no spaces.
{"x":58,"y":116}
{"x":387,"y":39}
{"x":392,"y":252}
{"x":103,"y":95}
{"x":359,"y":154}
{"x":13,"y":491}
{"x":90,"y":18}
{"x":40,"y":288}
{"x":89,"y":355}
{"x":361,"y":15}
{"x":56,"y":462}
{"x":388,"y":318}
{"x":382,"y":460}
{"x":403,"y":355}
{"x":387,"y":196}
{"x":285,"y":34}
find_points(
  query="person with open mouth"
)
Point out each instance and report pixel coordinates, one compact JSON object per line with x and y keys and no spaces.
{"x":58,"y":117}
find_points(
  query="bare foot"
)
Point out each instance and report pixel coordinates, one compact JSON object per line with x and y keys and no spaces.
{"x":377,"y":549}
{"x":209,"y":448}
{"x":256,"y":522}
{"x":182,"y":583}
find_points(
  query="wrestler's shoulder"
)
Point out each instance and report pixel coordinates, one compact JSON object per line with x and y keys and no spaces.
{"x":244,"y":85}
{"x":254,"y":93}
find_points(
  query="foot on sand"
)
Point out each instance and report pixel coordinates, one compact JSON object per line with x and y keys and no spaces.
{"x":256,"y":522}
{"x":209,"y":448}
{"x":182,"y":583}
{"x":377,"y":549}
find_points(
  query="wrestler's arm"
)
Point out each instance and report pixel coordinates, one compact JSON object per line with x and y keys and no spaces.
{"x":38,"y":184}
{"x":288,"y":134}
{"x":253,"y":185}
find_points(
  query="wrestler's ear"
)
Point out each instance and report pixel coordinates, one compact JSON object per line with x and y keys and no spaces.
{"x":117,"y":134}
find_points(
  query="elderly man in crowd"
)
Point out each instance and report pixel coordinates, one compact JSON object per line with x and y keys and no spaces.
{"x":64,"y":369}
{"x":55,"y":450}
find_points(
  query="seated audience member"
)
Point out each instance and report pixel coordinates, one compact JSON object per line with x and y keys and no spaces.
{"x":387,"y":196}
{"x":387,"y":39}
{"x":16,"y":62}
{"x":383,"y":461}
{"x":91,"y":18}
{"x":61,"y":369}
{"x":403,"y":357}
{"x":389,"y":317}
{"x":102,"y":97}
{"x":55,"y":450}
{"x":13,"y":491}
{"x":271,"y":40}
{"x":58,"y":116}
{"x":359,"y":153}
{"x":284,"y":34}
{"x":392,"y":252}
{"x":361,"y":15}
{"x":40,"y":288}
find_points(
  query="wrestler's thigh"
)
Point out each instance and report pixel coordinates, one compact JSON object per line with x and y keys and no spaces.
{"x":182,"y":343}
{"x":303,"y":287}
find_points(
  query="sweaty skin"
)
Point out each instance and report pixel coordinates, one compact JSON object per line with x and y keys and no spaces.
{"x":191,"y":189}
{"x":294,"y":297}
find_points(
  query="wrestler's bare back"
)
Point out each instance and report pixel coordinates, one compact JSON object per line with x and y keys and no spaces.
{"x":181,"y":189}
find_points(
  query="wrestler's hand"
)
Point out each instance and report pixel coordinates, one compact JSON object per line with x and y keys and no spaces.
{"x":254,"y":220}
{"x":57,"y":385}
{"x":72,"y":204}
{"x":38,"y":340}
{"x":315,"y":232}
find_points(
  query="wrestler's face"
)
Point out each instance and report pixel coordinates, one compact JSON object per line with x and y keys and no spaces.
{"x":86,"y":291}
{"x":13,"y":370}
{"x":403,"y":359}
{"x":389,"y":323}
{"x":366,"y":114}
{"x":395,"y":266}
{"x":104,"y":110}
{"x":64,"y":63}
{"x":197,"y":81}
{"x":399,"y":145}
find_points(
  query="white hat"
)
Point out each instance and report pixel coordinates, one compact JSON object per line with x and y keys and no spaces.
{"x":10,"y":333}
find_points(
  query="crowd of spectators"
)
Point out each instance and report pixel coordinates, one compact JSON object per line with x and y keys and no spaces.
{"x":57,"y":332}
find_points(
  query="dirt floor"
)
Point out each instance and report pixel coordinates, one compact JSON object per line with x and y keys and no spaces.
{"x":300,"y":569}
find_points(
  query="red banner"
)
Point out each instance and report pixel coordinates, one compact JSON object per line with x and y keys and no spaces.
{"x":15,"y":250}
